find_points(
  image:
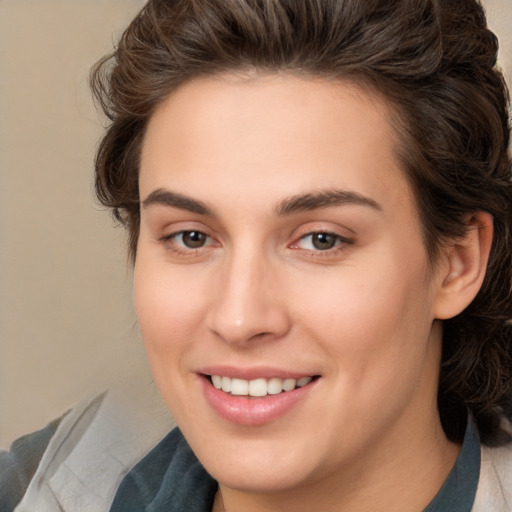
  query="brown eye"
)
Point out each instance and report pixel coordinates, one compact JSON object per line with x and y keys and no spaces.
{"x":323,"y":241}
{"x":193,"y":239}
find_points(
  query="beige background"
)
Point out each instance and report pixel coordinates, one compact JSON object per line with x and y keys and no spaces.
{"x":67,"y":326}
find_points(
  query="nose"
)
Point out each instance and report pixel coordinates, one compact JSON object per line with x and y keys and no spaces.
{"x":247,"y":304}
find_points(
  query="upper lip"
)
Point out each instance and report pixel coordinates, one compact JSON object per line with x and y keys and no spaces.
{"x":255,"y":372}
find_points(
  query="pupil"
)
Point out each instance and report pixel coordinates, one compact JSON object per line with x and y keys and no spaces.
{"x":323,"y":241}
{"x":194,"y":239}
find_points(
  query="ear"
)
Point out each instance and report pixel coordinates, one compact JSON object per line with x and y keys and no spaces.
{"x":464,"y":267}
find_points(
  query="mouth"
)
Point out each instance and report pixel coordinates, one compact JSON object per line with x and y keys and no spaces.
{"x":260,"y":387}
{"x":255,"y":396}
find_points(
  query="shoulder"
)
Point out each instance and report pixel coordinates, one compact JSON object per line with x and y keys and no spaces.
{"x":94,"y":447}
{"x":494,"y":493}
{"x":18,"y":465}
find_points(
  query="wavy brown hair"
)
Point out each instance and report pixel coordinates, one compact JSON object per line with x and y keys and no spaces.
{"x":433,"y":60}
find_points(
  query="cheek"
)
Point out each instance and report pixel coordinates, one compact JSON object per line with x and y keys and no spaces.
{"x":365,"y":305}
{"x":374,"y":322}
{"x":168,"y":307}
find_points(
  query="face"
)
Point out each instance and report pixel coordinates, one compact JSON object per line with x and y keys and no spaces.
{"x":280,"y":259}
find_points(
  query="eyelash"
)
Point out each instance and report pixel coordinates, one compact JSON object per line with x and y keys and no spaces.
{"x":340,"y":242}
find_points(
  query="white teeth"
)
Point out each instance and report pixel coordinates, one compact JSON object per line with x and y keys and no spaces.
{"x":239,"y":386}
{"x":274,"y":386}
{"x":258,"y":387}
{"x":303,"y":381}
{"x":226,"y":384}
{"x":289,"y":384}
{"x":217,"y":381}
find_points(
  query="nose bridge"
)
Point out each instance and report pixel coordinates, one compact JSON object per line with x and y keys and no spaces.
{"x":245,"y":304}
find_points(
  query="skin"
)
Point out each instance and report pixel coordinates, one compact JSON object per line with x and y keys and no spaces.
{"x":361,"y":315}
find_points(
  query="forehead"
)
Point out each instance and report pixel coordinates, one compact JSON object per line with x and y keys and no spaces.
{"x":277,"y":134}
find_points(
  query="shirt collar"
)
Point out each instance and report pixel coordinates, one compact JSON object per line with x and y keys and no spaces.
{"x":459,"y":489}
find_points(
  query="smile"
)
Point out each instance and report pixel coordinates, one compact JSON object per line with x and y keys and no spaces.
{"x":257,"y":387}
{"x":258,"y":399}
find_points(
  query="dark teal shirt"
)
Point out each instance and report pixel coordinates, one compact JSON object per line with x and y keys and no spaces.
{"x":171,"y":479}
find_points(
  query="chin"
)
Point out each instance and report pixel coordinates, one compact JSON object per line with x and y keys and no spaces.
{"x":258,"y":466}
{"x":258,"y":480}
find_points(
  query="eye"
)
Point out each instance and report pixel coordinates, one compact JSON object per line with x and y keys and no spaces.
{"x":191,"y":239}
{"x":321,"y":241}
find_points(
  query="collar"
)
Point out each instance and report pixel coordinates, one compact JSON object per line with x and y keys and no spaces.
{"x":459,"y":489}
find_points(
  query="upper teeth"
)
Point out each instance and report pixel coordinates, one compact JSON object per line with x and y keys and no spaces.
{"x":257,"y":387}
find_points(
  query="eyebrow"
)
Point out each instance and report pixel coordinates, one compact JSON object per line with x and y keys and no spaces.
{"x":324,"y":199}
{"x":167,"y":198}
{"x":297,"y":203}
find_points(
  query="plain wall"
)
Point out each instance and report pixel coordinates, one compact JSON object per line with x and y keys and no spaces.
{"x":67,"y":325}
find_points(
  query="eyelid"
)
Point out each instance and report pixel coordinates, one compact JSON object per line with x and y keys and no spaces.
{"x":319,"y":226}
{"x":166,"y":230}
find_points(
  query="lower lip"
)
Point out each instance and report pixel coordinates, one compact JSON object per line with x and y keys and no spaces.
{"x":250,"y":411}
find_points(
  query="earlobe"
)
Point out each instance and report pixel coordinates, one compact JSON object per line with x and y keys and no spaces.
{"x":465,"y":266}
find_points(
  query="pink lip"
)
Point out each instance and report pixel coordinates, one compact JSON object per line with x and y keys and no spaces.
{"x":259,"y":372}
{"x":250,"y":411}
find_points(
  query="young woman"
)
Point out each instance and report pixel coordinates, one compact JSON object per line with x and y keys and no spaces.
{"x":318,"y":198}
